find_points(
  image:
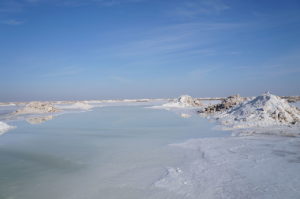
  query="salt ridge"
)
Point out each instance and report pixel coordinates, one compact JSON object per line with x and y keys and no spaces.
{"x":77,"y":105}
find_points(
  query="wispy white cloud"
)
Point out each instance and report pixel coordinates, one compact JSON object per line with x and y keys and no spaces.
{"x":185,"y":38}
{"x":194,"y":8}
{"x":33,"y":1}
{"x":121,"y":79}
{"x":12,"y":6}
{"x":64,"y":71}
{"x":108,"y":3}
{"x":274,"y":67}
{"x":284,"y":65}
{"x":113,"y":2}
{"x":202,"y":71}
{"x":12,"y":22}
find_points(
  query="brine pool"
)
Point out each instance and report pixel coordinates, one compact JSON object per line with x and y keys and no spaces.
{"x":110,"y":152}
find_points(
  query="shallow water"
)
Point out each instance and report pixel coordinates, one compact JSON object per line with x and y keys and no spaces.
{"x":4,"y":110}
{"x":111,"y":152}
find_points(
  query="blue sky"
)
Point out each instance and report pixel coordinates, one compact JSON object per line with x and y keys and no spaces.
{"x":103,"y":49}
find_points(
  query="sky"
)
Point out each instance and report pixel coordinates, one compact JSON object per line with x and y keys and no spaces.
{"x":108,"y":49}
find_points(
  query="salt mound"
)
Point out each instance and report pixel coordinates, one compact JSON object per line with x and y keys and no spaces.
{"x":77,"y":105}
{"x":83,"y":105}
{"x":184,"y":101}
{"x":264,"y":110}
{"x":4,"y":127}
{"x":37,"y":108}
{"x":188,"y":101}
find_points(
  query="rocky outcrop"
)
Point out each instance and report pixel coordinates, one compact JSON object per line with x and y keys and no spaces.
{"x":226,"y":104}
{"x":291,"y":99}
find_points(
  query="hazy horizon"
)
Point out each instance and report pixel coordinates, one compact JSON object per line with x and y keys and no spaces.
{"x":109,"y":49}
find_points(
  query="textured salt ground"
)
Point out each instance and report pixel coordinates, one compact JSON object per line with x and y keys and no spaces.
{"x":236,"y":167}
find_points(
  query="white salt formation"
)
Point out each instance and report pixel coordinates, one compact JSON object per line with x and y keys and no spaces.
{"x":184,"y":101}
{"x":83,"y":105}
{"x":4,"y":127}
{"x":264,"y":110}
{"x":77,"y":105}
{"x":37,"y":108}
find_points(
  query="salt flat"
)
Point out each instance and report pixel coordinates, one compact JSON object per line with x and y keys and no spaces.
{"x":147,"y":149}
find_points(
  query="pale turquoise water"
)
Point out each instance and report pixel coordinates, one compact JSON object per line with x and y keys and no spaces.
{"x":111,"y":152}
